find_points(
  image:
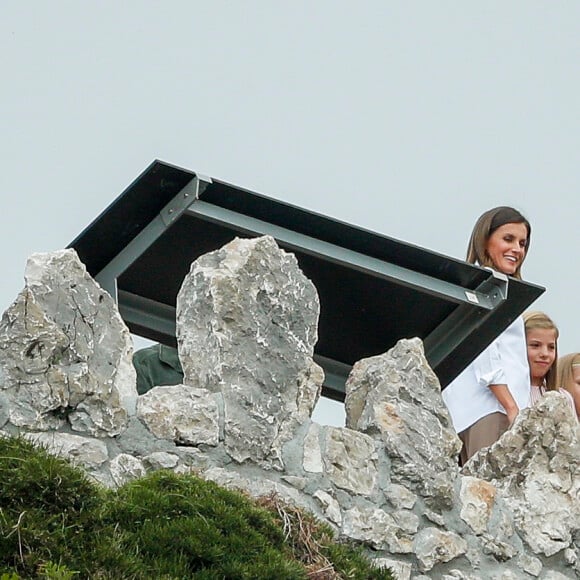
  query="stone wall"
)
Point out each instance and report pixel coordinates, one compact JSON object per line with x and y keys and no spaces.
{"x":247,"y":326}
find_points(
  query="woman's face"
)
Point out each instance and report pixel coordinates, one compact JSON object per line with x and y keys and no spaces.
{"x":541,"y":344}
{"x":506,"y":247}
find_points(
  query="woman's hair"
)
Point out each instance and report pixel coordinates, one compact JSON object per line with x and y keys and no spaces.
{"x":487,"y":223}
{"x":565,"y":374}
{"x":533,"y":320}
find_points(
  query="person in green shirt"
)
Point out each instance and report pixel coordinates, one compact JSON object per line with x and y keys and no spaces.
{"x":157,"y":366}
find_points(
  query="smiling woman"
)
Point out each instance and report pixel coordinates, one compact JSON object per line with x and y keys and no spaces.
{"x":507,"y":246}
{"x":500,"y":240}
{"x":486,"y":397}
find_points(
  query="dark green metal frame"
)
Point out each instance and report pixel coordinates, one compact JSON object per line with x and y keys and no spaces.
{"x":373,"y":289}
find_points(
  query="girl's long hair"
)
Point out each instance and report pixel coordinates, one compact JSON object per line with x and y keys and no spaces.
{"x":565,"y":373}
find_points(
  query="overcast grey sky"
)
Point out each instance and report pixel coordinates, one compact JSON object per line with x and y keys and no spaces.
{"x":406,"y":118}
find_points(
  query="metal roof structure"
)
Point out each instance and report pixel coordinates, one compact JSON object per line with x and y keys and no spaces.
{"x":374,"y":290}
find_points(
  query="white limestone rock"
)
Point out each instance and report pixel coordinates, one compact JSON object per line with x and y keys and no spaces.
{"x":460,"y":575}
{"x":160,"y":460}
{"x":396,"y":397}
{"x":401,"y":570}
{"x":312,"y":461}
{"x":400,"y":497}
{"x":65,"y":352}
{"x":555,"y":575}
{"x":529,"y":564}
{"x":377,"y":528}
{"x":125,"y":468}
{"x":246,"y":327}
{"x":330,"y":507}
{"x":350,"y":460}
{"x":86,"y":452}
{"x":433,"y":546}
{"x":182,"y":414}
{"x":477,"y":502}
{"x":256,"y":488}
{"x":536,"y":466}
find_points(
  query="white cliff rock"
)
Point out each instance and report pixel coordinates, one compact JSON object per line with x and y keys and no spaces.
{"x":247,"y":327}
{"x":65,"y":352}
{"x":397,"y":396}
{"x":536,"y":465}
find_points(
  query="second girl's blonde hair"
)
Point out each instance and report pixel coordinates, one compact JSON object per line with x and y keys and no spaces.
{"x":565,"y":374}
{"x":536,"y":319}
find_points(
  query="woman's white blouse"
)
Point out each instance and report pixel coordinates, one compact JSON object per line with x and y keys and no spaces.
{"x":504,"y":362}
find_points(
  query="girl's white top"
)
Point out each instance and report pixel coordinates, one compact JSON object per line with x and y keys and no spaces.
{"x":504,"y":362}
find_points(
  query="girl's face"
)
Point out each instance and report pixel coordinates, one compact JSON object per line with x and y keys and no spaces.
{"x":541,"y":352}
{"x":506,"y":247}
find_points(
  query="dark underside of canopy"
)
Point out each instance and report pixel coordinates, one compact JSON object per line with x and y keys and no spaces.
{"x":374,"y":290}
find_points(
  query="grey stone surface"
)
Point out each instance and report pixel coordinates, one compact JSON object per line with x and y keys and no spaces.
{"x":433,"y":546}
{"x":477,"y":501}
{"x":377,"y":528}
{"x":85,"y":452}
{"x":388,"y":480}
{"x":536,"y":465}
{"x":530,"y":564}
{"x":250,"y":328}
{"x":65,"y":352}
{"x":312,"y":461}
{"x":184,"y":415}
{"x":125,"y":467}
{"x":350,"y":459}
{"x":330,"y":507}
{"x":160,"y":460}
{"x":401,"y":570}
{"x":398,"y":396}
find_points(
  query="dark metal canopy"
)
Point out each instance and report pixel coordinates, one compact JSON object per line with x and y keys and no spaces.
{"x":373,"y":290}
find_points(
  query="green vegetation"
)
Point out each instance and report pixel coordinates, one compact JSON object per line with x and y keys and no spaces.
{"x":56,"y":524}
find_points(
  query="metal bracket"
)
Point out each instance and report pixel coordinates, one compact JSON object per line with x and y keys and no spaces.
{"x":466,"y":319}
{"x":184,"y":199}
{"x":137,"y":246}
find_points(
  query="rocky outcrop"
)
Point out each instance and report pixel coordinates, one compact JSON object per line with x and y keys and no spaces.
{"x":397,"y":397}
{"x":65,"y":353}
{"x":536,"y":465}
{"x":247,"y":323}
{"x":246,"y":328}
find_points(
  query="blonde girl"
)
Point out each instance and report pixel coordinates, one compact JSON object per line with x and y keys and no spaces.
{"x":569,"y":377}
{"x":542,"y":347}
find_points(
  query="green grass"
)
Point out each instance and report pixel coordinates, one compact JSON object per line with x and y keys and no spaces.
{"x":56,"y":524}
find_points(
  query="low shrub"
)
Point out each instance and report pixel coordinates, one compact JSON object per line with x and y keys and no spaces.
{"x":56,"y":524}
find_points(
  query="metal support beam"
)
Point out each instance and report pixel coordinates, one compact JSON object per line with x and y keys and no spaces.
{"x":132,"y":251}
{"x":169,"y":216}
{"x":353,"y":260}
{"x":145,"y":313}
{"x":465,"y":320}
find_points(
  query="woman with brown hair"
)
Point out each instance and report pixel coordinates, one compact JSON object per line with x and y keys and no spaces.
{"x":485,"y":398}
